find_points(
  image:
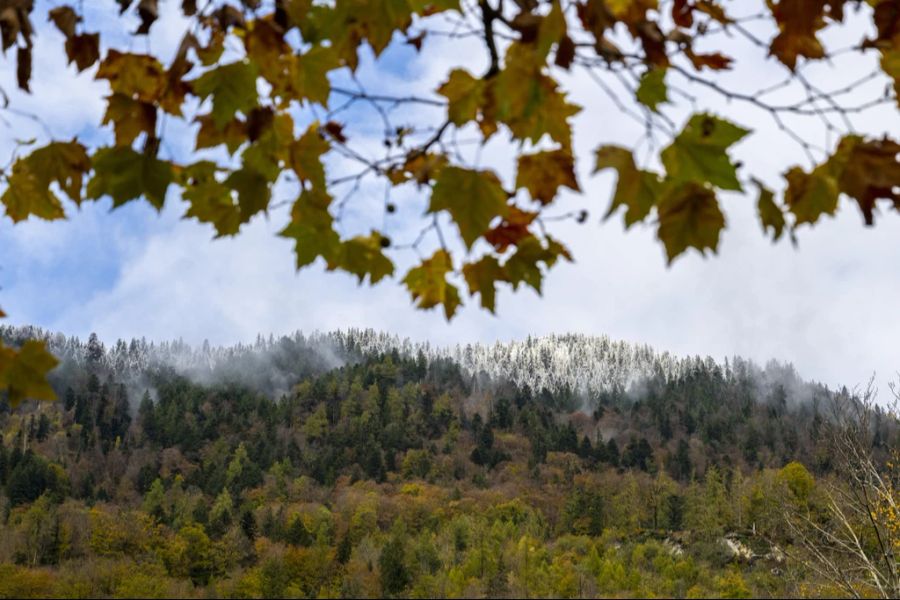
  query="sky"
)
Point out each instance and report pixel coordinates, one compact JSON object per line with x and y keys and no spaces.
{"x":828,"y":306}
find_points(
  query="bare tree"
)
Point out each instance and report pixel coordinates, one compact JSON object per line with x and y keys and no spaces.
{"x":851,"y":539}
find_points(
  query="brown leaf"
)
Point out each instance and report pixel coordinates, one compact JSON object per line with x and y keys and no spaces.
{"x":512,"y":230}
{"x":543,"y":173}
{"x":65,"y":19}
{"x":565,"y":52}
{"x":683,"y":13}
{"x":654,"y":43}
{"x":416,"y":41}
{"x":714,"y":10}
{"x":10,"y":25}
{"x":869,"y":171}
{"x":229,"y":16}
{"x":233,"y":134}
{"x":83,"y":50}
{"x":715,"y":61}
{"x":798,"y":22}
{"x":258,"y":120}
{"x":148,"y":11}
{"x":335,"y":130}
{"x":23,"y":67}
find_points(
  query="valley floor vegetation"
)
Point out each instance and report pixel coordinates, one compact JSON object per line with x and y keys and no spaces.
{"x":326,"y":469}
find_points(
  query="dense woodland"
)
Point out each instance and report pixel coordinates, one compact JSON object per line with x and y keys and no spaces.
{"x":353,"y":464}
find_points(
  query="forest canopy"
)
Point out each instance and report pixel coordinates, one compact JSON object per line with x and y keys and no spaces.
{"x":354,"y":464}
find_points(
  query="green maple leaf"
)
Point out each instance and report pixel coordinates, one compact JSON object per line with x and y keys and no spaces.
{"x":428,"y":284}
{"x":523,"y":266}
{"x":306,"y":156}
{"x":482,"y":277}
{"x":636,"y":190}
{"x":310,"y":73}
{"x":29,"y":193}
{"x":652,"y":90}
{"x":473,"y":199}
{"x":312,"y":229}
{"x":210,"y":200}
{"x":699,"y":153}
{"x":689,"y":217}
{"x":124,"y":174}
{"x":529,"y":102}
{"x":810,"y":195}
{"x":129,"y":117}
{"x":770,"y":214}
{"x":465,"y":96}
{"x":253,"y":191}
{"x":363,"y":256}
{"x":232,"y":87}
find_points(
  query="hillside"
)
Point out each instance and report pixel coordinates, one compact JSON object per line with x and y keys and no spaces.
{"x":357,"y":464}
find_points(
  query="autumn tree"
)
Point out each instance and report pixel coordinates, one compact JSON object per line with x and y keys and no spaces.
{"x":268,"y":93}
{"x":856,"y":547}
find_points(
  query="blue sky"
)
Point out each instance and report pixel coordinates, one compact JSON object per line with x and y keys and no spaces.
{"x":829,"y":307}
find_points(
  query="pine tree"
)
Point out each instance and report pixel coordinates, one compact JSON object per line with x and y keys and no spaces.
{"x":394,"y":574}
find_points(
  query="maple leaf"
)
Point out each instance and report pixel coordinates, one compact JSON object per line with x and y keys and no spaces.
{"x":125,"y":175}
{"x":28,"y":192}
{"x":636,"y":190}
{"x":83,"y":50}
{"x":652,"y":91}
{"x":689,"y":217}
{"x":23,"y":372}
{"x":867,"y":171}
{"x":267,"y":154}
{"x":310,"y":73}
{"x":810,"y":195}
{"x":306,"y":156}
{"x":363,"y":257}
{"x":528,"y":101}
{"x":890,"y":64}
{"x":232,"y":87}
{"x":424,"y":167}
{"x":512,"y":229}
{"x":428,"y":284}
{"x":65,"y":18}
{"x":210,"y":200}
{"x":798,"y":22}
{"x":129,"y":117}
{"x":473,"y":199}
{"x":138,"y":76}
{"x":699,"y":153}
{"x":770,"y":214}
{"x":312,"y":229}
{"x":482,"y":277}
{"x":252,"y":188}
{"x":551,"y":30}
{"x":715,"y":61}
{"x":233,"y":134}
{"x":523,"y":266}
{"x":465,"y":95}
{"x":543,"y":173}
